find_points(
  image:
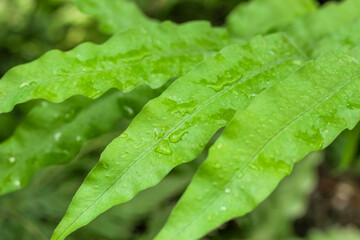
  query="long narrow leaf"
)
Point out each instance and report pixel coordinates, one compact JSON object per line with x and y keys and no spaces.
{"x":55,"y":133}
{"x":136,"y":57}
{"x":347,"y":36}
{"x":317,"y":25}
{"x":115,"y":15}
{"x":261,"y":144}
{"x":174,"y":128}
{"x":262,"y":16}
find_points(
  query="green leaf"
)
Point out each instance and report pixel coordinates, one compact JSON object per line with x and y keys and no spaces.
{"x":303,"y":113}
{"x":273,"y":219}
{"x":347,"y":36}
{"x":317,"y":25}
{"x":136,"y":57}
{"x":174,"y":128}
{"x":115,"y":15}
{"x":55,"y":133}
{"x":335,"y":233}
{"x":264,"y":16}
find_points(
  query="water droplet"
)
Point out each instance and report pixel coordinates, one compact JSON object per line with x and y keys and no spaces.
{"x":17,"y":183}
{"x":217,"y":165}
{"x":96,"y":187}
{"x":104,"y":165}
{"x":227,"y":190}
{"x":128,"y":111}
{"x":57,"y":136}
{"x":223,"y":208}
{"x":297,"y":62}
{"x":176,"y":136}
{"x":24,"y":85}
{"x":253,"y":166}
{"x":78,"y":138}
{"x":85,"y":69}
{"x":163,"y":148}
{"x":12,"y":159}
{"x":140,"y":143}
{"x":124,"y":135}
{"x":27,"y":84}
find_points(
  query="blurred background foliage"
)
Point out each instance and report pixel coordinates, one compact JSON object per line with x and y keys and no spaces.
{"x":319,"y":200}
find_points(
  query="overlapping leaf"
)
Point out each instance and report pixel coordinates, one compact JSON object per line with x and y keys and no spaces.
{"x":317,"y":25}
{"x":54,"y":133}
{"x":273,"y":219}
{"x":263,"y":16}
{"x":346,"y":36}
{"x":174,"y":128}
{"x":115,"y":15}
{"x":136,"y":57}
{"x":301,"y":114}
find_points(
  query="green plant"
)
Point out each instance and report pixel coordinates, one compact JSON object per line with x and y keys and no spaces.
{"x":282,"y":83}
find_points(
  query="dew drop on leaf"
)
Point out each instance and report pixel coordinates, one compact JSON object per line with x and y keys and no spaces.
{"x":128,"y":111}
{"x":17,"y":183}
{"x":217,"y":165}
{"x":227,"y":190}
{"x":176,"y":136}
{"x":251,"y":95}
{"x":12,"y":159}
{"x":223,"y":208}
{"x":164,"y":148}
{"x":57,"y":136}
{"x":27,"y":84}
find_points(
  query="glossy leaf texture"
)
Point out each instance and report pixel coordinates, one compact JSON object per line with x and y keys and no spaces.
{"x":317,"y":25}
{"x":298,"y":115}
{"x":273,"y":219}
{"x":55,"y":133}
{"x":263,"y":16}
{"x":115,"y":15}
{"x":174,"y":128}
{"x":136,"y":57}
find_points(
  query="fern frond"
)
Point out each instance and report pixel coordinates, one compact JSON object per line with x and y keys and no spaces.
{"x":263,"y":16}
{"x":115,"y":16}
{"x":296,"y":116}
{"x":136,"y":57}
{"x":174,"y":128}
{"x":55,"y":133}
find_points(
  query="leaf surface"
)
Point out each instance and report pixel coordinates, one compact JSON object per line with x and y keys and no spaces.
{"x":55,"y":133}
{"x":273,"y":219}
{"x":174,"y":128}
{"x":303,"y":113}
{"x":261,"y":16}
{"x":136,"y":57}
{"x":347,"y":36}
